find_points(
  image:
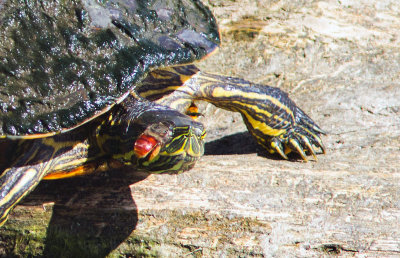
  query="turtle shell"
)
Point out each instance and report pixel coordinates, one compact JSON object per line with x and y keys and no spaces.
{"x":62,"y":63}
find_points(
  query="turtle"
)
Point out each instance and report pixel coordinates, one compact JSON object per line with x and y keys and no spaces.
{"x":87,"y":86}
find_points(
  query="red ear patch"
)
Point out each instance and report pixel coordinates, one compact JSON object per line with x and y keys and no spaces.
{"x":144,"y":145}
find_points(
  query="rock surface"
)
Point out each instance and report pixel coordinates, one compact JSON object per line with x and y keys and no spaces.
{"x":339,"y":60}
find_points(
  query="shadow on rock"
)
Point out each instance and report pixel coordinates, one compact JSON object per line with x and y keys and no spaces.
{"x":239,"y":143}
{"x":242,"y":143}
{"x":92,"y":215}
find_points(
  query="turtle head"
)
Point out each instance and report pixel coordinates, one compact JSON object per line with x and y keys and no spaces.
{"x":170,"y":146}
{"x":159,"y":141}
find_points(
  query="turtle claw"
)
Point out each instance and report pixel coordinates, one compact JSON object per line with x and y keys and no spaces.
{"x":309,"y":146}
{"x":295,"y":145}
{"x":277,"y":146}
{"x":316,"y":140}
{"x":300,"y":140}
{"x":321,"y":146}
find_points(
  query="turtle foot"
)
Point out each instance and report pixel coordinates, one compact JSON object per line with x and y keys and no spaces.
{"x":300,"y":140}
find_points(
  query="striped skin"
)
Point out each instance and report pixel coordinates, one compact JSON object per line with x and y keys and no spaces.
{"x":181,"y":140}
{"x":162,"y":82}
{"x":104,"y":143}
{"x":143,"y":118}
{"x":270,"y":115}
{"x":40,"y":157}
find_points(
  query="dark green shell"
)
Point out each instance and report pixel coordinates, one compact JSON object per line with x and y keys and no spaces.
{"x":64,"y":62}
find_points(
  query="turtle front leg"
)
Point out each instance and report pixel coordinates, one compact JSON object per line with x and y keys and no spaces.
{"x":20,"y":179}
{"x":270,"y":115}
{"x":40,"y":158}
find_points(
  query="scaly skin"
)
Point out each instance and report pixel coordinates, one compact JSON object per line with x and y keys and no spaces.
{"x":271,"y":117}
{"x":168,"y":140}
{"x":109,"y":140}
{"x":75,"y":63}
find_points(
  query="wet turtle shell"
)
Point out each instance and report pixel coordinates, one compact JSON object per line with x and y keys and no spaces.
{"x":65,"y":62}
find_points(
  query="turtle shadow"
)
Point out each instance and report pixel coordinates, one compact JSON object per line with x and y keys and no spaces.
{"x":91,"y":216}
{"x":242,"y":143}
{"x":239,"y":143}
